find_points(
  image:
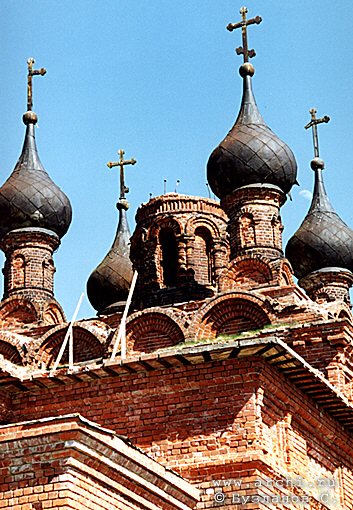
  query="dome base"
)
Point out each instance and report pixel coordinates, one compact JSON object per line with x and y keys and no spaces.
{"x":328,"y":285}
{"x":255,"y":224}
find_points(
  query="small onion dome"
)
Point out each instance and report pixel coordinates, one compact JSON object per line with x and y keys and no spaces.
{"x":251,"y":153}
{"x":29,"y":198}
{"x":110,"y":282}
{"x":323,"y":240}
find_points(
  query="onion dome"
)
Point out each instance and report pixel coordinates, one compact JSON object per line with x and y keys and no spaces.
{"x":323,"y":240}
{"x":251,"y":153}
{"x":29,"y":198}
{"x":108,"y":285}
{"x":110,"y":282}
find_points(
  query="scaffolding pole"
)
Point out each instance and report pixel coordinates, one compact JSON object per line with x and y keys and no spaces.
{"x":68,"y":338}
{"x":122,"y":328}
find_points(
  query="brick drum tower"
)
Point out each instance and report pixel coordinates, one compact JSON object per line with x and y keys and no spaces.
{"x":216,"y":381}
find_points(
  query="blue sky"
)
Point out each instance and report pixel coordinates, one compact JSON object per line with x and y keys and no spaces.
{"x":159,"y":78}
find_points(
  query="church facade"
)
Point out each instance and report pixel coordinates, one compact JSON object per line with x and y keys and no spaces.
{"x":209,"y":378}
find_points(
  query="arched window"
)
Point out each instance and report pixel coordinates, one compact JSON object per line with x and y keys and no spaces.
{"x":169,"y":256}
{"x":202,"y":255}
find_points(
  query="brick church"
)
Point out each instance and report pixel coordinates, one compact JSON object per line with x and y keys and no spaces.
{"x":216,"y":381}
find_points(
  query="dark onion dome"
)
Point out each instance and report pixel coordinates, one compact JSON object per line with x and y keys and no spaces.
{"x":29,"y":198}
{"x":110,"y":282}
{"x":251,"y":153}
{"x":323,"y":240}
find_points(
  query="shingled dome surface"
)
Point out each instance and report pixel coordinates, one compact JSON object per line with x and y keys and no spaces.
{"x":251,"y":153}
{"x":29,"y":198}
{"x":110,"y":282}
{"x":323,"y":240}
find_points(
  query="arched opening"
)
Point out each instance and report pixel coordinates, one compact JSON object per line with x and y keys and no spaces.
{"x":277,"y":228}
{"x":169,"y":257}
{"x":203,"y":257}
{"x":48,"y":270}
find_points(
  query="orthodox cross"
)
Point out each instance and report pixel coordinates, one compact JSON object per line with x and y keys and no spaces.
{"x":32,"y":72}
{"x":121,"y":163}
{"x":244,"y":23}
{"x":313,"y":123}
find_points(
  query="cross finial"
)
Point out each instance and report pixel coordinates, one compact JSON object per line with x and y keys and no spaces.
{"x":313,"y":123}
{"x":244,"y":23}
{"x":32,"y":72}
{"x":121,"y":163}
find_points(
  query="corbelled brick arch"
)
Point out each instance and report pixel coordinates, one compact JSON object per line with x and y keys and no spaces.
{"x":17,"y":310}
{"x":196,"y":222}
{"x":53,"y":314}
{"x":231,"y":314}
{"x":282,"y":272}
{"x":13,"y":347}
{"x":249,"y":271}
{"x":165,"y":222}
{"x":87,"y":345}
{"x":152,"y":329}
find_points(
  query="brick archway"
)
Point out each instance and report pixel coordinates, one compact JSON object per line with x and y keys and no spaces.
{"x":87,"y":346}
{"x":18,"y":311}
{"x":230,"y":314}
{"x":152,"y":330}
{"x":246,"y":271}
{"x":12,"y":349}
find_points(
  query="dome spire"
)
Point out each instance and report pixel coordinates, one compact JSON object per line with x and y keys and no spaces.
{"x":251,"y":154}
{"x":320,"y":201}
{"x":108,"y":285}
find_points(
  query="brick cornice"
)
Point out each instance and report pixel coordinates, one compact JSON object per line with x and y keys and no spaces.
{"x":102,"y":455}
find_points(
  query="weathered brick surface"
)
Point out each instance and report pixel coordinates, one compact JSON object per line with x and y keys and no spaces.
{"x":70,"y":463}
{"x":328,"y":285}
{"x":178,"y":248}
{"x":255,"y":223}
{"x":214,"y":421}
{"x":29,"y":278}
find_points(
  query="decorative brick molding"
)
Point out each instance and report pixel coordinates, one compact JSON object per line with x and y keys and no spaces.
{"x":17,"y":311}
{"x":328,"y":285}
{"x":254,"y":271}
{"x":231,"y":314}
{"x":151,"y":330}
{"x":69,"y":462}
{"x":89,"y":343}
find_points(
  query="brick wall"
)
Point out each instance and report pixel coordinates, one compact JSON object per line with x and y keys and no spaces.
{"x":212,"y":421}
{"x":70,"y":463}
